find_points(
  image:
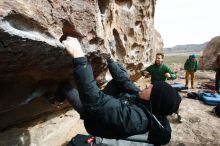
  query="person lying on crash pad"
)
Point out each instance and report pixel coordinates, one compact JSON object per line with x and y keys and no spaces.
{"x":121,"y":109}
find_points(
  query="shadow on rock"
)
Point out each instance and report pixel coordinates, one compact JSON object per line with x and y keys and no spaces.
{"x":18,"y":137}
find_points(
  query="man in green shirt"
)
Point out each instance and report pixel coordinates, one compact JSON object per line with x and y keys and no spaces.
{"x":159,"y":71}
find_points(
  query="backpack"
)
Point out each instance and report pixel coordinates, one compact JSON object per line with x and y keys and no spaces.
{"x":193,"y":95}
{"x":81,"y":140}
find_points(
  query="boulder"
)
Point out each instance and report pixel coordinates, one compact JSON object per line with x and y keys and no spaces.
{"x":33,"y":61}
{"x":210,"y":53}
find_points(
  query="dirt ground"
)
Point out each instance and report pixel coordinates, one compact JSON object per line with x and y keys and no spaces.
{"x":199,"y":125}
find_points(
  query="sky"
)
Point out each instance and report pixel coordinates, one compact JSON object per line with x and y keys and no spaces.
{"x":183,"y":22}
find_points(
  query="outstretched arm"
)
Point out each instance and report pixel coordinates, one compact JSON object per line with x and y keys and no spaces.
{"x":196,"y":66}
{"x":121,"y":78}
{"x":186,"y":64}
{"x":83,"y":73}
{"x":146,"y":72}
{"x":170,"y":74}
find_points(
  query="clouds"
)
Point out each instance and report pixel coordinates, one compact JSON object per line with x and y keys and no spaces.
{"x":187,"y":21}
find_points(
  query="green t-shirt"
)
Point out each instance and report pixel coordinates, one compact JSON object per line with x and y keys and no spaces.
{"x":157,"y":72}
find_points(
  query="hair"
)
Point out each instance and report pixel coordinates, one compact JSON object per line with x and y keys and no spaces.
{"x":161,"y":54}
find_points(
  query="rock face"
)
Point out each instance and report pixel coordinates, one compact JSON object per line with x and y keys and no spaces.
{"x":33,"y":61}
{"x":210,"y":53}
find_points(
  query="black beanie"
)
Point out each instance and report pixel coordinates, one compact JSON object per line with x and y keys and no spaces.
{"x":164,"y":99}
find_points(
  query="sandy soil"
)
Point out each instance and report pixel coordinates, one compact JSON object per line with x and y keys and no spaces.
{"x":199,"y":125}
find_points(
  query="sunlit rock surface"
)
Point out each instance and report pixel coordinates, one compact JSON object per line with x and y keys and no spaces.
{"x":210,"y":54}
{"x":33,"y":61}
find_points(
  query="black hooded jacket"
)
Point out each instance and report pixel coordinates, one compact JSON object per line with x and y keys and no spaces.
{"x":106,"y":115}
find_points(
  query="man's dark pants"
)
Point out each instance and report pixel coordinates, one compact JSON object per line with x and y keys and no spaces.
{"x":217,"y":79}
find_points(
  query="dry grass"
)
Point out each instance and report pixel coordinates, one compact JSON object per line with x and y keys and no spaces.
{"x":179,"y":57}
{"x":175,"y":59}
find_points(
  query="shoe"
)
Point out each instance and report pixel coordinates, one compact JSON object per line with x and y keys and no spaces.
{"x":179,"y":119}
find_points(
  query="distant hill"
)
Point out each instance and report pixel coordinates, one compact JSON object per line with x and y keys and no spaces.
{"x":186,"y":48}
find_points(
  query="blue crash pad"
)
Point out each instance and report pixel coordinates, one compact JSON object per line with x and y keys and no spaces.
{"x":211,"y":98}
{"x":179,"y":86}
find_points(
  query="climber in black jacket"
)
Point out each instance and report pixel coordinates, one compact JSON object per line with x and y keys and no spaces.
{"x":121,"y":109}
